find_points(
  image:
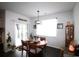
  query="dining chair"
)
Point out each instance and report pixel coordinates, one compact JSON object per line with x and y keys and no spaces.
{"x":33,"y":49}
{"x":61,"y":52}
{"x":25,"y":47}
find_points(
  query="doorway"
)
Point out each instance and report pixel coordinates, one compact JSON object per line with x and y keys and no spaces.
{"x":21,"y":33}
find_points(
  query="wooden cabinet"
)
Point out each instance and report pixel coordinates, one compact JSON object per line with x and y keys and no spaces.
{"x":69,"y":34}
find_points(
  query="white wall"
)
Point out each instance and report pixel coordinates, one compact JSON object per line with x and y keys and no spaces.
{"x":59,"y":40}
{"x":10,"y":20}
{"x":76,"y":22}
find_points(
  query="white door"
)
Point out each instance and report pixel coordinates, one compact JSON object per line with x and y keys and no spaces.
{"x":21,"y":33}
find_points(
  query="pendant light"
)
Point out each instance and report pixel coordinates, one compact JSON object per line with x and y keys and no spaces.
{"x":38,"y":21}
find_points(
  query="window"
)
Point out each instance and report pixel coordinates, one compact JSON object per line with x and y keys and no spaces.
{"x":47,"y":27}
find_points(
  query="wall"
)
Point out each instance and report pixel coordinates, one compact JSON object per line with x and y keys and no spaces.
{"x":59,"y":40}
{"x":10,"y":20}
{"x":2,"y":18}
{"x":76,"y":22}
{"x":2,"y":23}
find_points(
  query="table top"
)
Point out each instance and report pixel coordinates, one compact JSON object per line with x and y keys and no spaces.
{"x":37,"y":44}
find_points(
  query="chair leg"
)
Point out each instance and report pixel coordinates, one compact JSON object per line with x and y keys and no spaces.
{"x":26,"y":54}
{"x":22,"y":52}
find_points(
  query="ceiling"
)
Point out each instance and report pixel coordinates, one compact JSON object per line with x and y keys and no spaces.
{"x":29,"y":9}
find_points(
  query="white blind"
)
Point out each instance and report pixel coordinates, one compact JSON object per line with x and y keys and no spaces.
{"x":47,"y":27}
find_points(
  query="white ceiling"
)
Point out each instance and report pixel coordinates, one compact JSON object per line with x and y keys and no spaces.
{"x":29,"y":9}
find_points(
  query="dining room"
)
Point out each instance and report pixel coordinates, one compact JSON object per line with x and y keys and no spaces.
{"x":35,"y":29}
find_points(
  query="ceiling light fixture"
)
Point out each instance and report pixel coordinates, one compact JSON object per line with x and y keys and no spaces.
{"x":38,"y":21}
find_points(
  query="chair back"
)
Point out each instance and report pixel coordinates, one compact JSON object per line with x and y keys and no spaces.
{"x":25,"y":47}
{"x":42,"y":38}
{"x":25,"y":43}
{"x":22,"y":42}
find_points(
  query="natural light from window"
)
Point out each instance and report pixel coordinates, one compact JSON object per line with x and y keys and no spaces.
{"x":47,"y":28}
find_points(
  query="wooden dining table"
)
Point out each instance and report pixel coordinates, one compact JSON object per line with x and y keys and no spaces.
{"x":36,"y":44}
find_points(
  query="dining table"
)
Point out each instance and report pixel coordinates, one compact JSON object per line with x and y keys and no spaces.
{"x":36,"y":44}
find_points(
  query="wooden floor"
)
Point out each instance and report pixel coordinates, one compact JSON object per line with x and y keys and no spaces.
{"x":47,"y":52}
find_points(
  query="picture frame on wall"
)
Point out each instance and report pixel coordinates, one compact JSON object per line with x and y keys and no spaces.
{"x":60,"y":26}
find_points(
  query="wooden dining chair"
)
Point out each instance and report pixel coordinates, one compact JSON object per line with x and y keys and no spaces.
{"x":43,"y":39}
{"x":61,"y":52}
{"x":25,"y":47}
{"x":33,"y":50}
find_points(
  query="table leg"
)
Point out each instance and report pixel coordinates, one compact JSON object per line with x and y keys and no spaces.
{"x":35,"y":50}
